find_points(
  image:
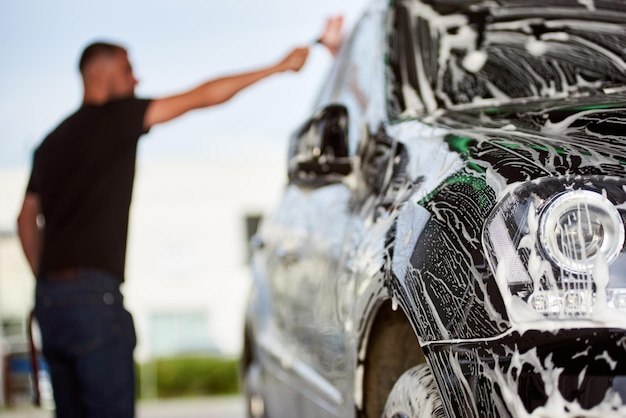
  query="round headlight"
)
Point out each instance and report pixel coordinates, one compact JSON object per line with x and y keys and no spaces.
{"x":579,"y":226}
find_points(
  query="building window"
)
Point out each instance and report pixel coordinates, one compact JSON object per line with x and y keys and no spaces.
{"x":180,"y":333}
{"x":252,"y":226}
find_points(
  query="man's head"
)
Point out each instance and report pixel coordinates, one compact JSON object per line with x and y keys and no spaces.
{"x":107,"y":73}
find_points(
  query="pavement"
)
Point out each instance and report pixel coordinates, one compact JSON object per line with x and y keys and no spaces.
{"x":210,"y":407}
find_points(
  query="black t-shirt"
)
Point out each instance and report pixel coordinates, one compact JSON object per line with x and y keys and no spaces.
{"x":83,"y":172}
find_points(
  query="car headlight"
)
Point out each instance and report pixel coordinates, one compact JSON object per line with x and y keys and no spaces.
{"x":556,"y":247}
{"x":577,"y":227}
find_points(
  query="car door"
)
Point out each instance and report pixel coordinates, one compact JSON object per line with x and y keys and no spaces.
{"x":303,"y":242}
{"x":311,"y":236}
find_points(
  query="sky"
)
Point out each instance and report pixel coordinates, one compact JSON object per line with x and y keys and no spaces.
{"x":173,"y":45}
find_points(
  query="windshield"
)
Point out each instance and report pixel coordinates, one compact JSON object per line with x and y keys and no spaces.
{"x":456,"y":54}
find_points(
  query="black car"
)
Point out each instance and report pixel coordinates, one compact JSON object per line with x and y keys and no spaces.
{"x":451,"y":238}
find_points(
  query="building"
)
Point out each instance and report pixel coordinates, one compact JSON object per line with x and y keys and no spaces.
{"x":187,"y":275}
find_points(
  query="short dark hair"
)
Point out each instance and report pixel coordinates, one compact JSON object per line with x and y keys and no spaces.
{"x":97,"y":49}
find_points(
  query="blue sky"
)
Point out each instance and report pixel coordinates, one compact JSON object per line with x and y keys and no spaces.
{"x":173,"y":46}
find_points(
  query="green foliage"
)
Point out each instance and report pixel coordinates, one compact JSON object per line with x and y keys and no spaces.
{"x":191,"y":376}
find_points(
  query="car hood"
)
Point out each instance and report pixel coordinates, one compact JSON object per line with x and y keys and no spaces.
{"x":584,"y":135}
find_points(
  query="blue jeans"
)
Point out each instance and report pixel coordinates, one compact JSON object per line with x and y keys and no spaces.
{"x":88,"y":340}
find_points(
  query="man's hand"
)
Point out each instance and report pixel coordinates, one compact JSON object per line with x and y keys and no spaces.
{"x":294,"y":60}
{"x":332,"y":37}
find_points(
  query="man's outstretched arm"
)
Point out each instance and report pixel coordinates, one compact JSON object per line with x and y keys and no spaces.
{"x":217,"y":91}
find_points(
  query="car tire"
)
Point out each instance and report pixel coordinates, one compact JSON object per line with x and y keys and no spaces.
{"x":255,"y":404}
{"x":414,"y":395}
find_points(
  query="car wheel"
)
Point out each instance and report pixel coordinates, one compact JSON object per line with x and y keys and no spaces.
{"x":255,"y":404}
{"x":414,"y":395}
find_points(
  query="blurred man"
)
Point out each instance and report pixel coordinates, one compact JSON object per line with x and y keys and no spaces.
{"x":74,"y":220}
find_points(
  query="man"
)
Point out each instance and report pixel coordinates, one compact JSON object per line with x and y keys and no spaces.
{"x":74,"y":220}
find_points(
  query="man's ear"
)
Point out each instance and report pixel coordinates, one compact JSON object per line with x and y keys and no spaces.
{"x":97,"y":68}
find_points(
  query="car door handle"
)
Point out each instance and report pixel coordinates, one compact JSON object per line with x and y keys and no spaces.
{"x":287,"y":256}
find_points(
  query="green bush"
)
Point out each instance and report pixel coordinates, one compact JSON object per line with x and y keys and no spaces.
{"x":192,"y":376}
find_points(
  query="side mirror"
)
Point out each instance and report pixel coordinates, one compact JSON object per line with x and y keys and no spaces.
{"x":318,"y":151}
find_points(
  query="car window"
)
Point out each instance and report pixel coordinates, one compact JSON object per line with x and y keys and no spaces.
{"x":357,"y":80}
{"x":477,"y":54}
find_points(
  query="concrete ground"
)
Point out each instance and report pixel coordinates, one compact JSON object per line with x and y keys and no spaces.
{"x":211,"y":407}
